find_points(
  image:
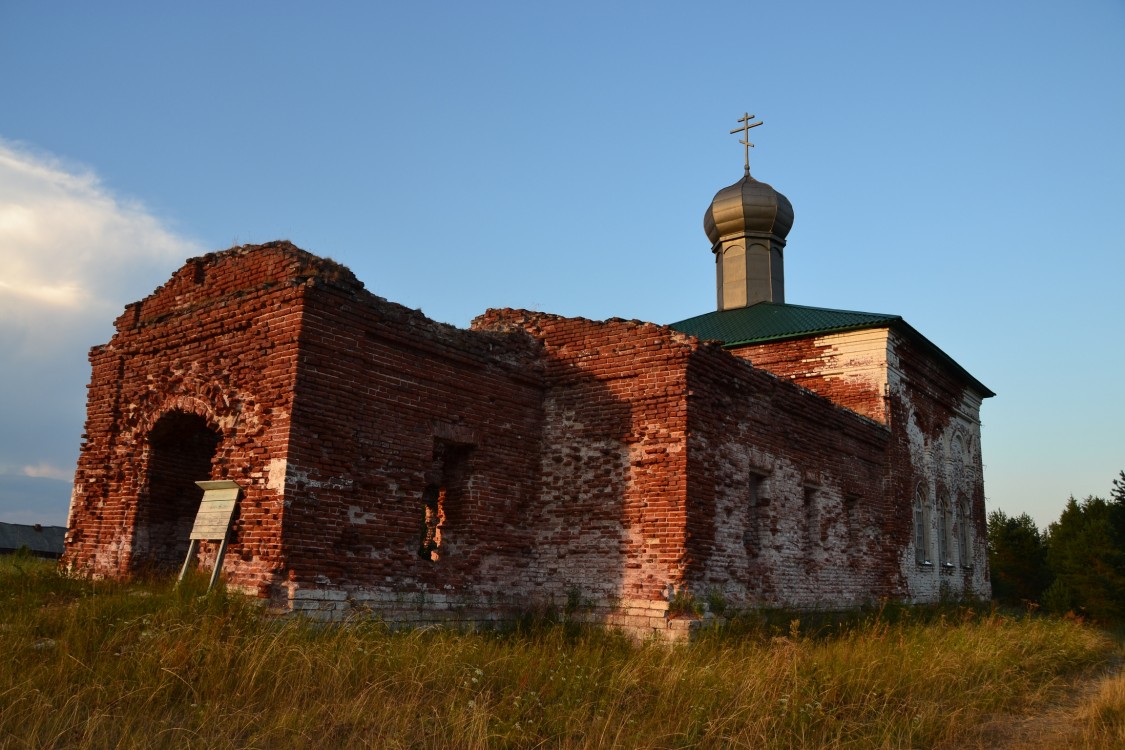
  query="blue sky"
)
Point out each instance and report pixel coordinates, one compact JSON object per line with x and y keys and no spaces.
{"x":960,"y":164}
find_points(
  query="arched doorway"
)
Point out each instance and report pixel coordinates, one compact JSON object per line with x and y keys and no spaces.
{"x":182,"y":449}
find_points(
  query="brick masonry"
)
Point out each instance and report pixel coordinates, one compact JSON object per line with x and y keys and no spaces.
{"x":401,"y":467}
{"x":933,"y":422}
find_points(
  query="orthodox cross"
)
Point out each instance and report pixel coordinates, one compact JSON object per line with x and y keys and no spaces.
{"x":745,"y":130}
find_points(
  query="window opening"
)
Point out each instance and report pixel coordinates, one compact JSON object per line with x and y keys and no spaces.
{"x":945,"y":536}
{"x":433,"y":516}
{"x":957,"y":461}
{"x":965,"y":531}
{"x":446,"y":482}
{"x":921,"y":528}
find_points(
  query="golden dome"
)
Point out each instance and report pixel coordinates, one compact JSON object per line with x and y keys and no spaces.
{"x":748,"y":207}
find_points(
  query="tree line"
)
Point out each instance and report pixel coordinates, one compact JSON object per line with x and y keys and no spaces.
{"x":1076,"y":565}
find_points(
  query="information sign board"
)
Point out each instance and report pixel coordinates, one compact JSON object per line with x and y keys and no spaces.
{"x":212,"y":521}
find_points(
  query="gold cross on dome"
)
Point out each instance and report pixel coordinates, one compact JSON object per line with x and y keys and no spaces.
{"x":745,"y":130}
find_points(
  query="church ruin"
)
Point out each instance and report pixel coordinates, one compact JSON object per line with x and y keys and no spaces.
{"x":763,"y":454}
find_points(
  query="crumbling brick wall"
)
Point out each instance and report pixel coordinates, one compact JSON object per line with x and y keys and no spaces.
{"x":210,"y":357}
{"x":787,"y":503}
{"x":890,"y":378}
{"x":608,"y":529}
{"x":412,"y":470}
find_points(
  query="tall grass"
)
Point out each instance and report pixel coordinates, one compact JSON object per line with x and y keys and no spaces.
{"x":99,"y":665}
{"x":1102,"y":718}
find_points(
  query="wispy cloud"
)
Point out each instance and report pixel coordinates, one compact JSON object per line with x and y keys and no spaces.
{"x":44,"y":470}
{"x":72,"y":254}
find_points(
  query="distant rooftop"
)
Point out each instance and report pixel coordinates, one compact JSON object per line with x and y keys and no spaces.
{"x":41,"y":541}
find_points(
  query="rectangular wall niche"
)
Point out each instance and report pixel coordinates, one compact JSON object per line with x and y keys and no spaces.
{"x":756,"y":508}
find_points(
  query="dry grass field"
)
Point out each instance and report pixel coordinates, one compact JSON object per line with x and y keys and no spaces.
{"x":143,"y":665}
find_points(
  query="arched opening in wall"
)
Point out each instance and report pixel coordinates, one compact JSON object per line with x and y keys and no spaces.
{"x":966,"y":530}
{"x":921,"y":527}
{"x":945,"y":531}
{"x":957,"y":461}
{"x":182,"y":450}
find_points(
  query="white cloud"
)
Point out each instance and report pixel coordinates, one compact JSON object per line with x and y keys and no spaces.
{"x":72,"y":255}
{"x":44,"y":470}
{"x":71,"y":244}
{"x":67,"y":294}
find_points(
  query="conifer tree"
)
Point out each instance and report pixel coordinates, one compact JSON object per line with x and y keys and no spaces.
{"x":1118,"y":491}
{"x":1086,"y":553}
{"x":1017,"y":558}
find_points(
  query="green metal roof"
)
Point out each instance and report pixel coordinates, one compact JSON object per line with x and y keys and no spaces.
{"x":770,"y":321}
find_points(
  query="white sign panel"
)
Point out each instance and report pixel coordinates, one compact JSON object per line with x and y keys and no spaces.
{"x":215,"y":512}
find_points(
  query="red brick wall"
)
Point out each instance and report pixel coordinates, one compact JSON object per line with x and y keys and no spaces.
{"x":609,"y":523}
{"x":219,"y":341}
{"x":821,"y":530}
{"x":379,"y":387}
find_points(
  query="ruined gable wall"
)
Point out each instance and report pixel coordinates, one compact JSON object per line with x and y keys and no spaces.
{"x":848,"y":368}
{"x":219,"y":341}
{"x":380,"y":388}
{"x":786,"y":497}
{"x":608,"y":531}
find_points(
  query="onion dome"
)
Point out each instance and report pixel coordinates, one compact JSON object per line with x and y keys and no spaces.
{"x":748,"y":207}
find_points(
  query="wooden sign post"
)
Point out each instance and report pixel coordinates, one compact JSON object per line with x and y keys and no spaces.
{"x":220,"y":498}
